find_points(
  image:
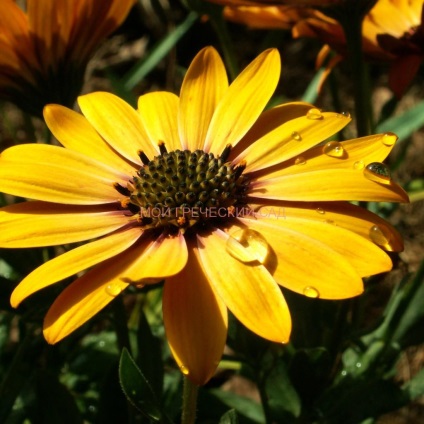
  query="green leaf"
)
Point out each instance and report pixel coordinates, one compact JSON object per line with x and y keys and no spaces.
{"x":311,"y":93}
{"x":283,"y":400}
{"x":137,"y":389}
{"x":408,"y":324}
{"x":406,"y":124}
{"x":403,"y":323}
{"x":149,"y":62}
{"x":229,"y":417}
{"x":243,"y":405}
{"x":414,"y":388}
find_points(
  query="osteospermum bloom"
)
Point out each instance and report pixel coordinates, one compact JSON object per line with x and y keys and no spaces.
{"x":45,"y":51}
{"x":206,"y":190}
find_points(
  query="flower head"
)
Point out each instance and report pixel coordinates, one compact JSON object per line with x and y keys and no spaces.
{"x":45,"y":51}
{"x":206,"y":190}
{"x":392,"y":31}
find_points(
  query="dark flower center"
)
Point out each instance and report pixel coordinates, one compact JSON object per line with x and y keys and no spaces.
{"x":182,"y":188}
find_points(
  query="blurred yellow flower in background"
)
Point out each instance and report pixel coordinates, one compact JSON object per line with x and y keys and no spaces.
{"x":393,"y":30}
{"x":45,"y":51}
{"x":223,"y":200}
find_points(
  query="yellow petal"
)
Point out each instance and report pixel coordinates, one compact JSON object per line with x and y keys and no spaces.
{"x":269,"y":121}
{"x":306,"y":265}
{"x":203,"y":87}
{"x":80,"y":301}
{"x":159,"y":112}
{"x":195,"y":322}
{"x":248,"y":290}
{"x":364,"y":255}
{"x":244,"y":101}
{"x":94,"y":290}
{"x":343,"y":214}
{"x":291,"y":139}
{"x":161,"y":258}
{"x":74,"y":261}
{"x":391,"y":18}
{"x":75,"y":133}
{"x":55,"y":174}
{"x":37,"y":224}
{"x":118,"y":123}
{"x":350,"y":154}
{"x":327,"y":185}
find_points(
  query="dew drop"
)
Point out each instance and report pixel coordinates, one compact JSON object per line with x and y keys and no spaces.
{"x":113,"y":290}
{"x":346,"y":114}
{"x":381,"y":236}
{"x":314,"y":114}
{"x":321,"y":211}
{"x":311,"y":292}
{"x":184,"y":370}
{"x":359,"y":165}
{"x":333,"y":149}
{"x":248,"y":246}
{"x":296,"y":136}
{"x":378,"y":172}
{"x":389,"y":139}
{"x":300,"y":161}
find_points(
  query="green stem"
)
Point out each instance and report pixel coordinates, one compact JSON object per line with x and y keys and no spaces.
{"x":120,"y":321}
{"x":264,"y":402}
{"x":352,"y":26}
{"x":190,"y":392}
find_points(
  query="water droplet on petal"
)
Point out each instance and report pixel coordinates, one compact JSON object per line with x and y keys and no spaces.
{"x":381,"y":236}
{"x":346,"y":114}
{"x":311,"y":292}
{"x":314,"y":114}
{"x":333,"y":149}
{"x":320,"y":211}
{"x":184,"y":370}
{"x":378,"y":172}
{"x":296,"y":136}
{"x":113,"y":289}
{"x":300,"y":161}
{"x":248,"y":246}
{"x":389,"y":139}
{"x":359,"y":165}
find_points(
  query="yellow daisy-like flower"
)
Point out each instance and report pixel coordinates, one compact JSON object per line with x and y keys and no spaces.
{"x":222,"y":200}
{"x":44,"y":52}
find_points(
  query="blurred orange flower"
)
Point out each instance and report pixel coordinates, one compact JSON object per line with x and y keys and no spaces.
{"x":44,"y":52}
{"x":393,"y":30}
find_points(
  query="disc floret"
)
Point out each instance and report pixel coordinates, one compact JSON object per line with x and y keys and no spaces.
{"x":183,"y":188}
